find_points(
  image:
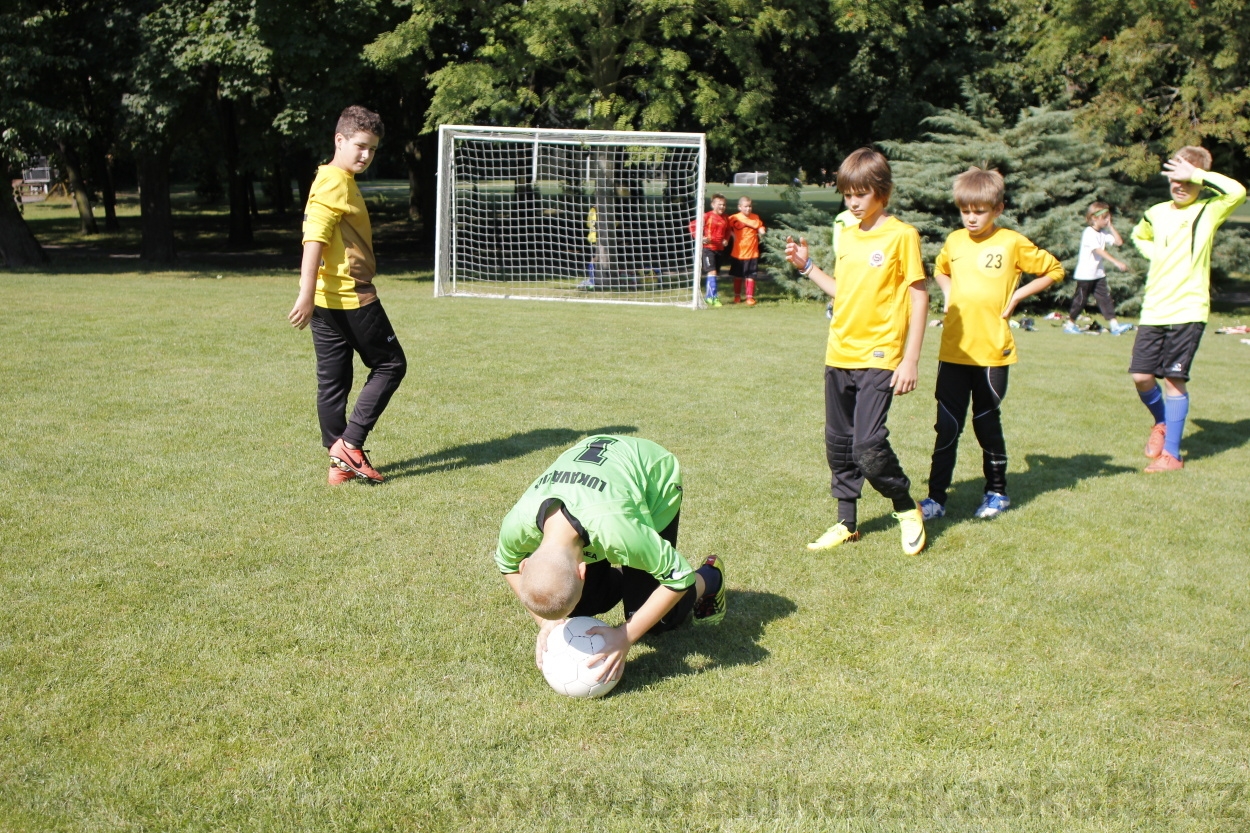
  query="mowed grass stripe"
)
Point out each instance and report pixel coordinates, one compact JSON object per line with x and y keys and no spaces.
{"x":199,"y":634}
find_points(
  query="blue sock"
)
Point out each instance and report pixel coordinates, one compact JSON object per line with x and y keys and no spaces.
{"x":1177,"y":408}
{"x":1153,"y":399}
{"x":711,"y":580}
{"x":711,"y":286}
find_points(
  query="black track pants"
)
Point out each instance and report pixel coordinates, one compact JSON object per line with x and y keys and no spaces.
{"x":336,"y":334}
{"x":1101,"y":294}
{"x":986,"y":386}
{"x":607,"y":585}
{"x":857,"y":443}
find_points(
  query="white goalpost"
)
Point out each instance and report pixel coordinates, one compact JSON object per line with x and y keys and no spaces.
{"x":569,"y":215}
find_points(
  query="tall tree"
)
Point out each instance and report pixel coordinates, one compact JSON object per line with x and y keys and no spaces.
{"x":22,"y":123}
{"x":1149,"y":75}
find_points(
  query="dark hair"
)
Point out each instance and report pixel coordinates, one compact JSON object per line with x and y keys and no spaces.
{"x":866,"y":170}
{"x":356,"y":118}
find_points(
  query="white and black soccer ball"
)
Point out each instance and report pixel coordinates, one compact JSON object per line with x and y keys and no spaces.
{"x":564,"y":661}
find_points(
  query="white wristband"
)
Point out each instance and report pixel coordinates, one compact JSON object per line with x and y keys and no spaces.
{"x":807,"y":268}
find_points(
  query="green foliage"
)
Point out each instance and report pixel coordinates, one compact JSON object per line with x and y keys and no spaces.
{"x":1149,"y":76}
{"x":1052,"y":172}
{"x":803,"y":221}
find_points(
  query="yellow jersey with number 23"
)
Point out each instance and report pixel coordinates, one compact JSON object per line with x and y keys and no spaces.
{"x":984,"y":274}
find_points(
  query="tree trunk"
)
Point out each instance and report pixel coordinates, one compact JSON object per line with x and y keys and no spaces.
{"x":102,"y":167}
{"x":240,"y":218}
{"x":249,"y":182}
{"x":421,"y":159}
{"x":281,"y":187}
{"x":305,"y":173}
{"x":82,"y":199}
{"x":157,"y":243}
{"x":18,"y":246}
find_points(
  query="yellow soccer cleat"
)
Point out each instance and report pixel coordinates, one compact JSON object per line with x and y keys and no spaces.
{"x":835,"y":536}
{"x":911,"y":524}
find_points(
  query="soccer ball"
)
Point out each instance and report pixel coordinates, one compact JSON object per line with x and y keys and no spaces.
{"x":564,"y":661}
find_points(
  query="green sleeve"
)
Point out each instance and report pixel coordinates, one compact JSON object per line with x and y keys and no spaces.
{"x":518,"y":538}
{"x":1231,"y":194}
{"x":1144,"y":237}
{"x":634,"y":544}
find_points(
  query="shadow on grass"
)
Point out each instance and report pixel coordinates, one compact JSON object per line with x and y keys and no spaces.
{"x":1045,"y":474}
{"x":1215,"y":437}
{"x":691,"y":650}
{"x":496,"y":451}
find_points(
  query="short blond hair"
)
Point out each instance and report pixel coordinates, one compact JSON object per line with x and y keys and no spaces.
{"x":1095,"y":209}
{"x":978,"y":188}
{"x":866,"y":170}
{"x":1197,"y":156}
{"x":550,"y":586}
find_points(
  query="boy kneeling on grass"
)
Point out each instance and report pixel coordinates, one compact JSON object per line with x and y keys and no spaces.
{"x":597,"y":528}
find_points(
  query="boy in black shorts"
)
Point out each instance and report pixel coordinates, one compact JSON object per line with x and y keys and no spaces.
{"x":1176,"y":237}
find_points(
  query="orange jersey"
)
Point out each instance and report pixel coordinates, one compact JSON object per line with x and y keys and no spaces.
{"x":746,"y":229}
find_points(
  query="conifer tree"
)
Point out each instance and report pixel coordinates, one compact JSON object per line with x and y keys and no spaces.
{"x":1052,"y":172}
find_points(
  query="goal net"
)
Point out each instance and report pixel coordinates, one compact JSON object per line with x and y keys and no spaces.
{"x":574,"y":215}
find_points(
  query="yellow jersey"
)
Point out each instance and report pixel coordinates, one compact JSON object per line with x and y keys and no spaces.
{"x":871,"y":307}
{"x":336,"y":216}
{"x":984,"y":274}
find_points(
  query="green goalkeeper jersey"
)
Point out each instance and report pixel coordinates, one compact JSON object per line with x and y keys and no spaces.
{"x":619,"y":493}
{"x":1177,"y":242}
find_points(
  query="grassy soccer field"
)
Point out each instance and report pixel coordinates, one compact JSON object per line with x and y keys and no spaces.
{"x":198,"y":634}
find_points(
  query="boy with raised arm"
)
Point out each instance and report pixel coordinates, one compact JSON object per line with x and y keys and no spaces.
{"x":338,"y":298}
{"x":597,"y":528}
{"x":978,"y":269}
{"x":1099,"y":235}
{"x":1176,"y":237}
{"x":879,"y":308}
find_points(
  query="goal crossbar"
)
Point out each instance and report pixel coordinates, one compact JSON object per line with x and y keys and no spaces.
{"x":575,"y":215}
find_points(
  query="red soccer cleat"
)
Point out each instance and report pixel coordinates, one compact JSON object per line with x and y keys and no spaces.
{"x":353,"y":460}
{"x":338,"y":476}
{"x":1154,"y":444}
{"x":1165,"y":462}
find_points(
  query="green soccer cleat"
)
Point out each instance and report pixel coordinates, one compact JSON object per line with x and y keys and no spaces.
{"x":835,"y":536}
{"x":911,"y":524}
{"x":710,"y":610}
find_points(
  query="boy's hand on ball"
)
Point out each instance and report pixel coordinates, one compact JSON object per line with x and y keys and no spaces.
{"x":610,"y":663}
{"x":544,"y":631}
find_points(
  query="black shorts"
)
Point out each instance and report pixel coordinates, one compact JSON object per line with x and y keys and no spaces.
{"x":711,"y":261}
{"x":747,"y":268}
{"x":607,"y":585}
{"x":1166,"y":350}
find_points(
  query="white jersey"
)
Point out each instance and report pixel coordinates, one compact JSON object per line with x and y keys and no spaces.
{"x":1089,"y":265}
